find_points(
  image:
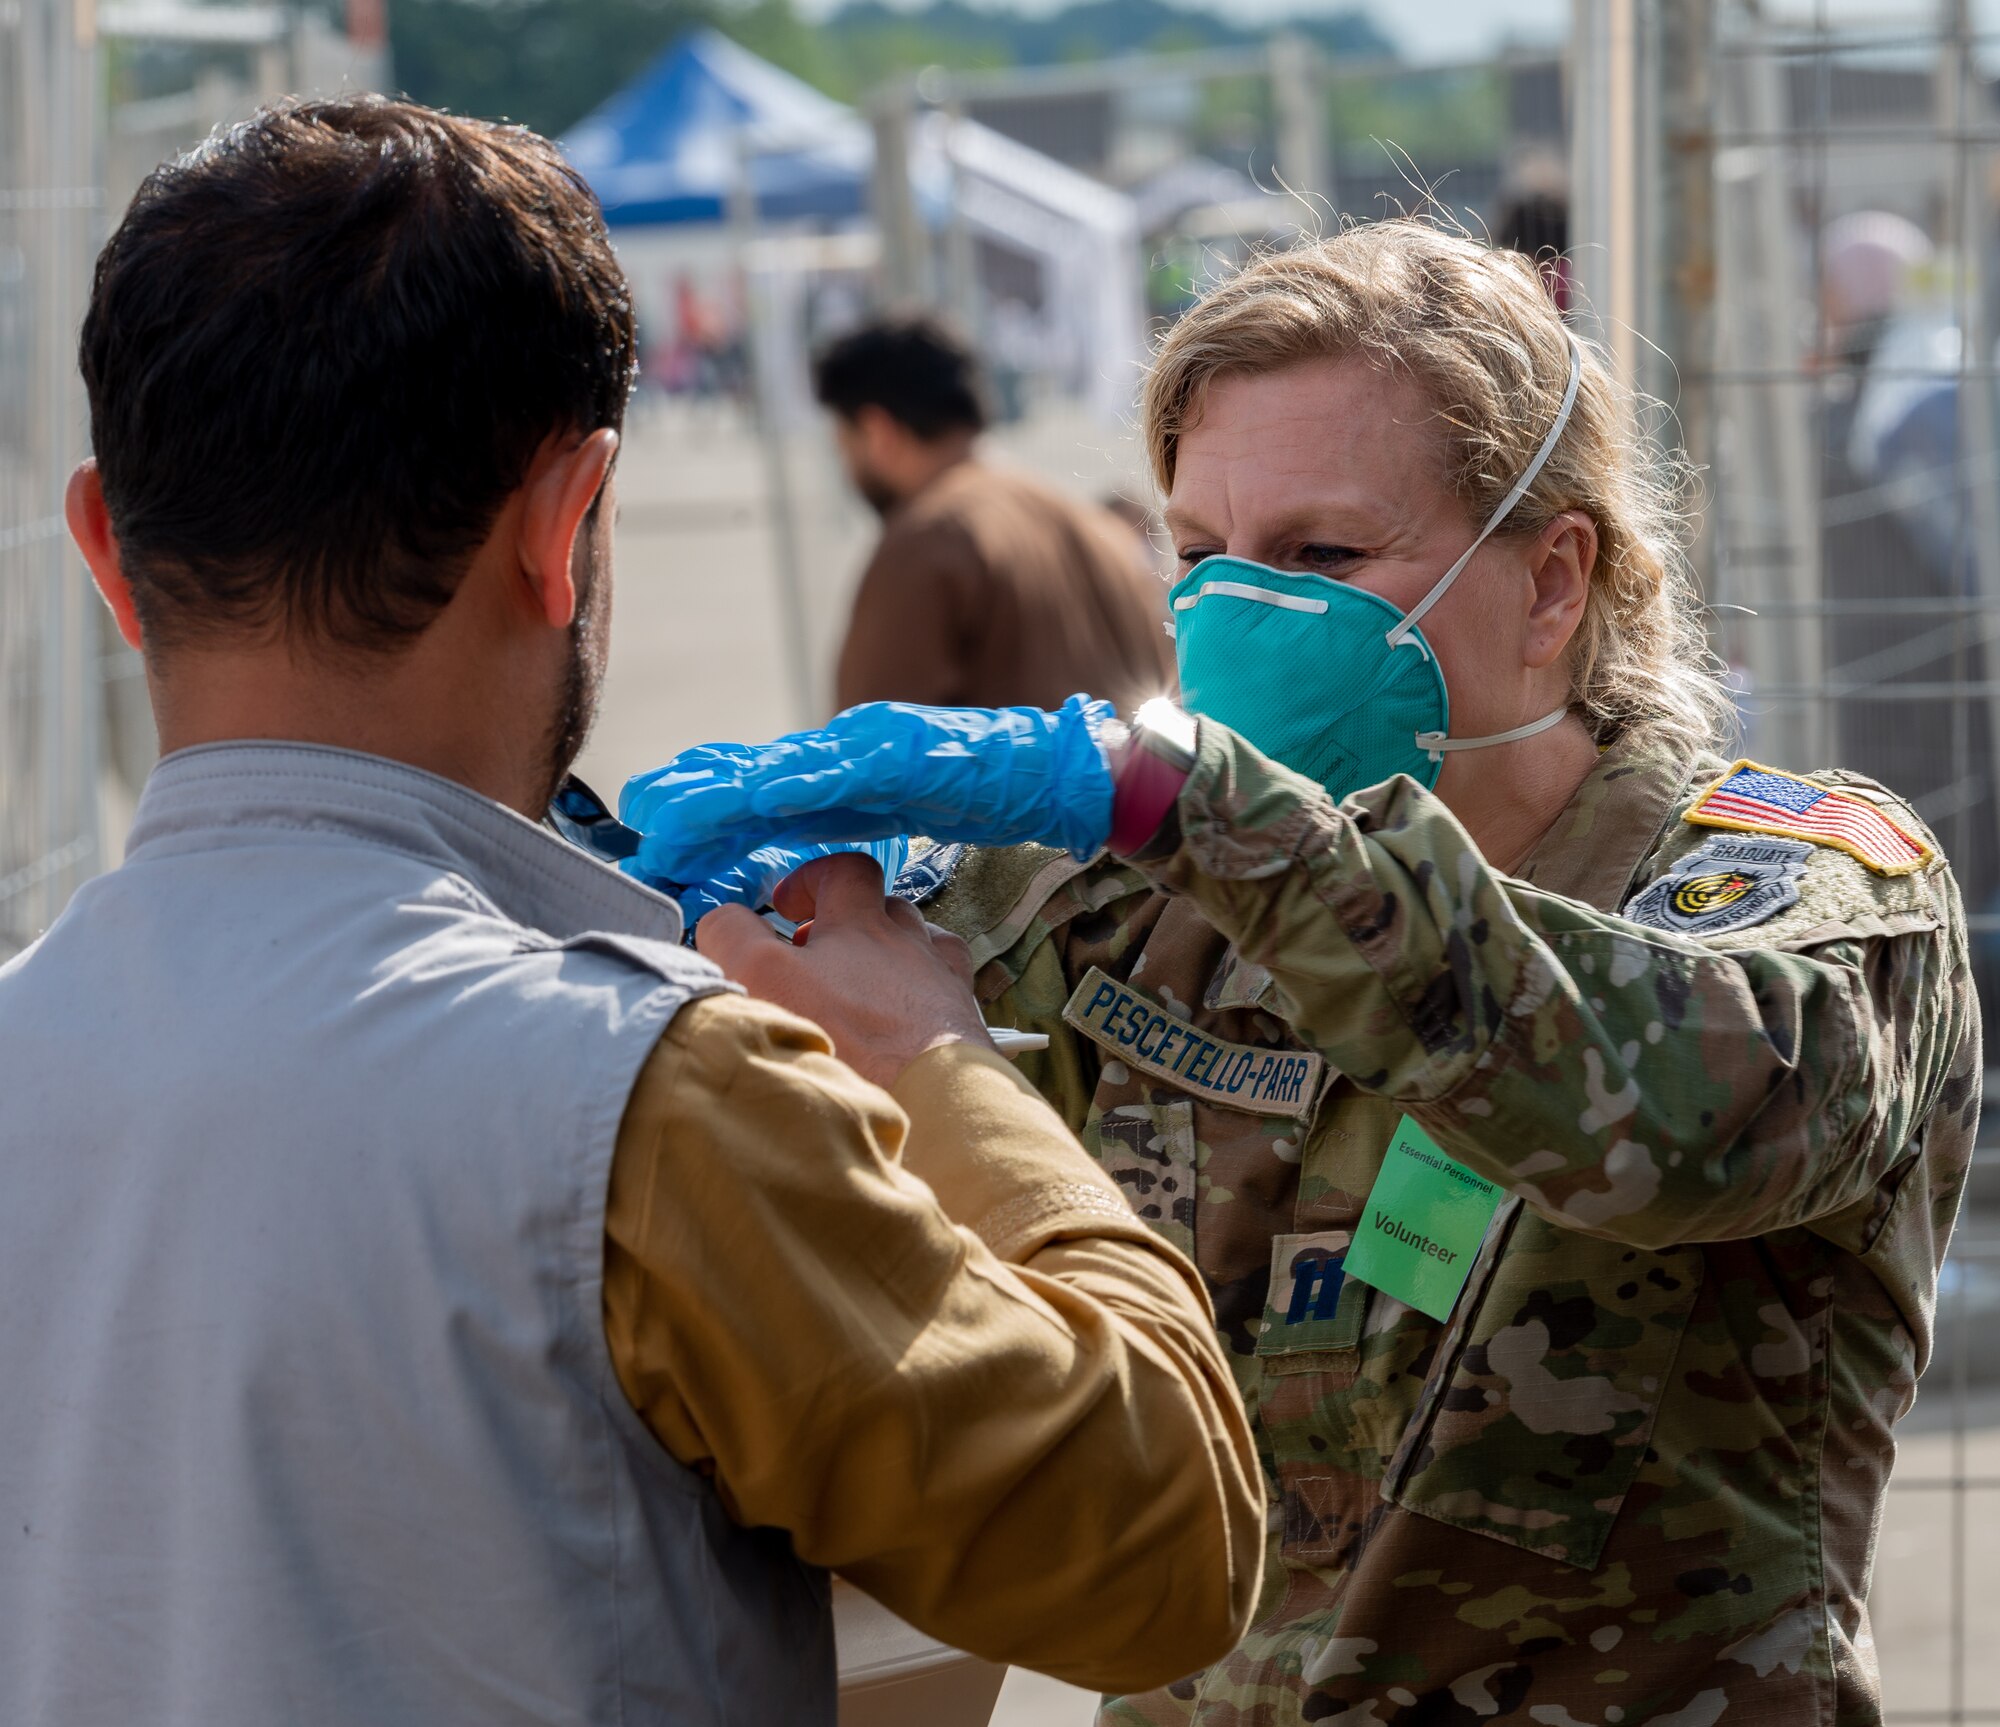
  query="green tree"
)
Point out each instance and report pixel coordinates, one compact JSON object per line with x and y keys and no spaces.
{"x":545,"y":63}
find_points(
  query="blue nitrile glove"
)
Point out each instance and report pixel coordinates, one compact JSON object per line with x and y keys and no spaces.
{"x":996,"y":776}
{"x":751,"y":881}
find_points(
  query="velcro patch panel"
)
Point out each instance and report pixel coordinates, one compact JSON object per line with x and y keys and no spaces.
{"x":1758,"y":800}
{"x":1313,"y":1305}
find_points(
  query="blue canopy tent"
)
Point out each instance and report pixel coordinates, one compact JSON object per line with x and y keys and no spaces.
{"x":672,"y":147}
{"x":671,"y":158}
{"x":671,"y":155}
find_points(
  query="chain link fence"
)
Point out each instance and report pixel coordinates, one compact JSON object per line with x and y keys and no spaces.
{"x":1809,"y":224}
{"x":49,"y":212}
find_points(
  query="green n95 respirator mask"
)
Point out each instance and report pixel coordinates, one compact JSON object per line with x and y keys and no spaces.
{"x":1328,"y":678}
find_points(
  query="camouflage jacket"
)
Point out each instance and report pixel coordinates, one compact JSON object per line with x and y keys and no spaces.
{"x":1635,"y":1477}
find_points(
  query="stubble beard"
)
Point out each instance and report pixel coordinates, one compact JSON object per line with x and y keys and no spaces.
{"x":583,"y":674}
{"x":876,"y":492}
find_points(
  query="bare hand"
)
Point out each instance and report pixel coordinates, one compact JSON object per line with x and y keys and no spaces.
{"x":883,"y":984}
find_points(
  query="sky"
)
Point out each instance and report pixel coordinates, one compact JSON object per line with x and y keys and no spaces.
{"x":1439,"y":29}
{"x":1425,"y":29}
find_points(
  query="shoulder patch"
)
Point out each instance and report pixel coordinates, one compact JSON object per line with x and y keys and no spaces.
{"x":1728,"y":882}
{"x":1752,"y":799}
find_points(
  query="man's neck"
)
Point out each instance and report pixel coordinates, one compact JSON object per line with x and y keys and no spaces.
{"x":403,"y":706}
{"x":934,"y":460}
{"x":1507,"y":797}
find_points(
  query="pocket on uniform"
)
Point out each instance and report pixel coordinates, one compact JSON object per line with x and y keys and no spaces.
{"x":1149,"y":1150}
{"x":1313,"y":1311}
{"x":1533,"y":1431}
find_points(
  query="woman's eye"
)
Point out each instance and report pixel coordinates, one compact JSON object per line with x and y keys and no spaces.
{"x":1313,"y":559}
{"x":1323,"y":560}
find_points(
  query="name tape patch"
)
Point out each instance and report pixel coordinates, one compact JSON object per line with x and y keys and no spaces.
{"x":1142,"y":1034}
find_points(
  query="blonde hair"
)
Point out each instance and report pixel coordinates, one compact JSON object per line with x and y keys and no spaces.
{"x":1475,"y":329}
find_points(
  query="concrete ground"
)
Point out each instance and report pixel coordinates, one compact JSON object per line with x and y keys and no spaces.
{"x":1938,"y":1545}
{"x":699,"y":654}
{"x":1029,"y":1700}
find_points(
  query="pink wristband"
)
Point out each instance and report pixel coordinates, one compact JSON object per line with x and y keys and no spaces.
{"x":1141,"y":795}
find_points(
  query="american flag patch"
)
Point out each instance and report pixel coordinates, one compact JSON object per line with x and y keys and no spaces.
{"x":1758,"y":800}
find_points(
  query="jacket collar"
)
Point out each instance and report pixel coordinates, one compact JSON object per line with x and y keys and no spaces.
{"x":211,"y":796}
{"x":1593,"y":851}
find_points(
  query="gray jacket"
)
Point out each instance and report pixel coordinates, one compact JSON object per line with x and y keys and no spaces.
{"x":306,"y":1412}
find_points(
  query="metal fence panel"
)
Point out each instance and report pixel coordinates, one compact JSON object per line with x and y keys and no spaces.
{"x":49,"y":208}
{"x":1834,"y":364}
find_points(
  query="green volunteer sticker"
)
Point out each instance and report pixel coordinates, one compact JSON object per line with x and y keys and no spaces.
{"x":1425,"y":1218}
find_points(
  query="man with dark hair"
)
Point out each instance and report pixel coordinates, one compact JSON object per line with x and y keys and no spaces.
{"x":988,"y":588}
{"x":434,"y":1294}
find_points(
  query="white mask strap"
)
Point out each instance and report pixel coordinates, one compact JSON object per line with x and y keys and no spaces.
{"x":1414,"y":616}
{"x":1434,"y":744}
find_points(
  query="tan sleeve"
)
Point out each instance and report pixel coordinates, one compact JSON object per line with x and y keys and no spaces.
{"x":1015,"y":1431}
{"x":905,"y":636}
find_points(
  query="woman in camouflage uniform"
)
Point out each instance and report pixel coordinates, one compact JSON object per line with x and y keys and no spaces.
{"x":1569,"y":1149}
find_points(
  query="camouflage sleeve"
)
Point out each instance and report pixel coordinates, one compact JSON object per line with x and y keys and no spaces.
{"x":1626,"y":1082}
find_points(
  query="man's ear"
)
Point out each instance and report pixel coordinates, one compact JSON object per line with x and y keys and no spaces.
{"x":879,"y":434}
{"x":563,"y":482}
{"x":1560,"y":564}
{"x":90,"y":526}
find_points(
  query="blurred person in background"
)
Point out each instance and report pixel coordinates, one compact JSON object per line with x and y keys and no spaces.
{"x":1534,"y":220}
{"x":1900,"y":537}
{"x":432,"y":1294}
{"x":1869,"y":263}
{"x":987,"y":588}
{"x":1144,"y":524}
{"x":1569,"y":1122}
